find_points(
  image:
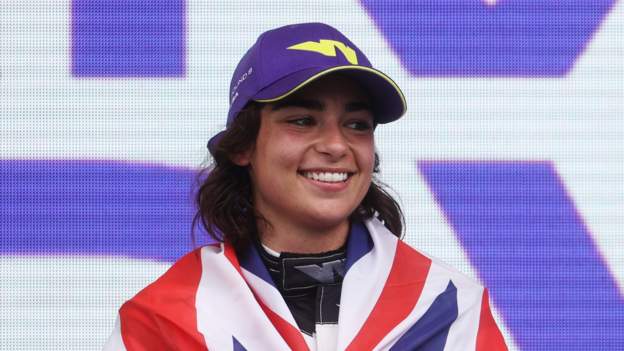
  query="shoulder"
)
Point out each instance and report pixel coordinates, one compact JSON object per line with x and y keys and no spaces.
{"x":459,"y":279}
{"x":169,"y":296}
{"x":165,"y":312}
{"x":473,"y":323}
{"x":179,"y":280}
{"x":436,"y":268}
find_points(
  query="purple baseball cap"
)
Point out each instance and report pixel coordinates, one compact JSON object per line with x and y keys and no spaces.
{"x":285,"y":59}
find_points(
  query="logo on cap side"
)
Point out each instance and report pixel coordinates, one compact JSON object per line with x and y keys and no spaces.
{"x":243,"y":77}
{"x":328,"y":48}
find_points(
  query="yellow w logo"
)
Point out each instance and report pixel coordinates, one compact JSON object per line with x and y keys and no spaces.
{"x":328,"y":48}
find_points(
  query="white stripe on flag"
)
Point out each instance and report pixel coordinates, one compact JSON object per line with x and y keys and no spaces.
{"x":364,"y":282}
{"x":226,"y":307}
{"x":270,"y":296}
{"x":463,"y":333}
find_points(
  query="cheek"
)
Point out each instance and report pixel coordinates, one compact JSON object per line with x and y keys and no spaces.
{"x":371,"y":161}
{"x":366,"y":157}
{"x":281,"y":150}
{"x":276,"y":153}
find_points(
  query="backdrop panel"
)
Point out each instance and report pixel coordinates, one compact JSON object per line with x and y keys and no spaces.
{"x":509,"y":164}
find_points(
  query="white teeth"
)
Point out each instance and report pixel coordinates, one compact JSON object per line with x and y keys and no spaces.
{"x":328,"y":177}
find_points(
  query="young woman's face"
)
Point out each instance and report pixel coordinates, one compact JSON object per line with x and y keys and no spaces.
{"x":314,"y":156}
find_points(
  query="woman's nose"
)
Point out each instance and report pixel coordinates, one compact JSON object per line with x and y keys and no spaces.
{"x":332,"y":141}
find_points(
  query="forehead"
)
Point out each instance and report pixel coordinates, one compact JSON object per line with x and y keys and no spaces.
{"x":333,"y":86}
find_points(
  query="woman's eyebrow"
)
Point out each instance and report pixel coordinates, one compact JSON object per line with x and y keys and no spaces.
{"x":358,"y":106}
{"x":317,"y":105}
{"x":303,"y":103}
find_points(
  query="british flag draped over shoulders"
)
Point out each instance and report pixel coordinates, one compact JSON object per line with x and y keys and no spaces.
{"x":393,"y":298}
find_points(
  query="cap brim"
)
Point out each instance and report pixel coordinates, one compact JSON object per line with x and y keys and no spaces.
{"x":388,"y":99}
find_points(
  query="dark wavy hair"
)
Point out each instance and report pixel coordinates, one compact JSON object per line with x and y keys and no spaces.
{"x":224,"y":196}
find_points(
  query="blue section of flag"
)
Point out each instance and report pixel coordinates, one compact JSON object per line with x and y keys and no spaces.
{"x":115,"y":38}
{"x":431,"y":330}
{"x":237,"y":346}
{"x":96,"y":207}
{"x":521,"y":231}
{"x":252,"y":262}
{"x":359,"y":244}
{"x":472,"y":38}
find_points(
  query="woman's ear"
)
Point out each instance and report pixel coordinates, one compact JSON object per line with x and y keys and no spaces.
{"x":242,"y":159}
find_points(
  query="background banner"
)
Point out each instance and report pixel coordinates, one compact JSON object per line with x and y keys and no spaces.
{"x":509,"y":163}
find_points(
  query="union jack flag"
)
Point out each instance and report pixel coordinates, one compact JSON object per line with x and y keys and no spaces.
{"x":393,"y":298}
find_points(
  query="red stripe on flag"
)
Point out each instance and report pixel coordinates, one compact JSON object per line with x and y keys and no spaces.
{"x":291,"y":335}
{"x":398,"y":297}
{"x":163,"y":314}
{"x":230,"y":254}
{"x":489,"y":337}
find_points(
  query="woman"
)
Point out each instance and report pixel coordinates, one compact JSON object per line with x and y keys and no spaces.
{"x":308,"y":254}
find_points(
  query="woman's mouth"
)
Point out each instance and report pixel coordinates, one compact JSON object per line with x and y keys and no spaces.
{"x":327,"y":177}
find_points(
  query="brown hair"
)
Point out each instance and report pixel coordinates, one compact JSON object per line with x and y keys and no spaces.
{"x":224,"y":198}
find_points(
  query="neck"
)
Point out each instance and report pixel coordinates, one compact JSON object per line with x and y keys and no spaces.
{"x":284,"y":237}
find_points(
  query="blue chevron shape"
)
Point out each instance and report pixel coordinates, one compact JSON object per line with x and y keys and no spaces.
{"x":473,"y":38}
{"x":130,"y":38}
{"x":96,"y":208}
{"x":522,"y":233}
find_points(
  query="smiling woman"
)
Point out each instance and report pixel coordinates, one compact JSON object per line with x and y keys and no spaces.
{"x":308,"y":254}
{"x":320,"y":130}
{"x":311,"y":165}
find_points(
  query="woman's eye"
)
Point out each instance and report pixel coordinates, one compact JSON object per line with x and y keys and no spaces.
{"x":359,"y":125}
{"x":302,"y":121}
